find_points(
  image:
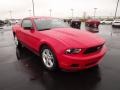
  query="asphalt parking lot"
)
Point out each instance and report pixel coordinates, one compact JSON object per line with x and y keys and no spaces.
{"x":28,"y":73}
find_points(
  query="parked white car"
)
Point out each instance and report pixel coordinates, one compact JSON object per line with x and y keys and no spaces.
{"x":107,"y":21}
{"x":116,"y":23}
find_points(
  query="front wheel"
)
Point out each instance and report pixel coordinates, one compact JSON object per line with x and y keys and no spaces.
{"x":113,"y":26}
{"x":48,"y":58}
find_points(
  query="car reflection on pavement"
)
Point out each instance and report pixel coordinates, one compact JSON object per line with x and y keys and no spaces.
{"x":86,"y":79}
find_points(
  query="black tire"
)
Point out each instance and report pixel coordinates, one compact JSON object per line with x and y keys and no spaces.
{"x":18,"y":53}
{"x":55,"y":64}
{"x":103,"y":23}
{"x":113,"y":26}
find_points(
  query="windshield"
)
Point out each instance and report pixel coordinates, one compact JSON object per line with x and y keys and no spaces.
{"x":117,"y":20}
{"x":46,"y":24}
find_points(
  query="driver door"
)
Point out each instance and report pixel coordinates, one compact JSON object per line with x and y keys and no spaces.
{"x":28,"y":33}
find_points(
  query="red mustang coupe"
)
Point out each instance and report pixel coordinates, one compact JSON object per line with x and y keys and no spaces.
{"x":59,"y":45}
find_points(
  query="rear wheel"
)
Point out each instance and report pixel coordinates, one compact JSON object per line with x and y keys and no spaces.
{"x":48,"y":58}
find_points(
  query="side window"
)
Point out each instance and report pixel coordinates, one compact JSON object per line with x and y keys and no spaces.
{"x":27,"y":24}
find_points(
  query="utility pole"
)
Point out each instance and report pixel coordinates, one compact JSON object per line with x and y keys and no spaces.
{"x":116,"y":10}
{"x":33,"y":7}
{"x":84,"y":15}
{"x":95,"y":11}
{"x":72,"y":11}
{"x":50,"y":10}
{"x":10,"y":14}
{"x":29,"y":12}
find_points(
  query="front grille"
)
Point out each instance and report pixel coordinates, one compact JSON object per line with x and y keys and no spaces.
{"x":93,"y":49}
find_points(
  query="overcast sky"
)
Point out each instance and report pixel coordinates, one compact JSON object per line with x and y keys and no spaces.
{"x":60,"y":8}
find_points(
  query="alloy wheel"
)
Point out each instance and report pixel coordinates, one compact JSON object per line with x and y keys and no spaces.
{"x":48,"y":58}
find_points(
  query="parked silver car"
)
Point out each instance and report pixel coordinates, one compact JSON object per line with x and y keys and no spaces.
{"x":116,"y":23}
{"x":106,"y":21}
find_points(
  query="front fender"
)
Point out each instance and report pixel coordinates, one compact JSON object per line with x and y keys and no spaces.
{"x":57,"y":46}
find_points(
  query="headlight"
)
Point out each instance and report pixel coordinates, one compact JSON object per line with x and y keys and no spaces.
{"x":72,"y":51}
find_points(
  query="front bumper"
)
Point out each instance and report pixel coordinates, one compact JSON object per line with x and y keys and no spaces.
{"x":116,"y":24}
{"x":67,"y":62}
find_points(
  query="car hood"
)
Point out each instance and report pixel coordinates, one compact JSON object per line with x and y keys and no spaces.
{"x":93,"y":20}
{"x":74,"y":37}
